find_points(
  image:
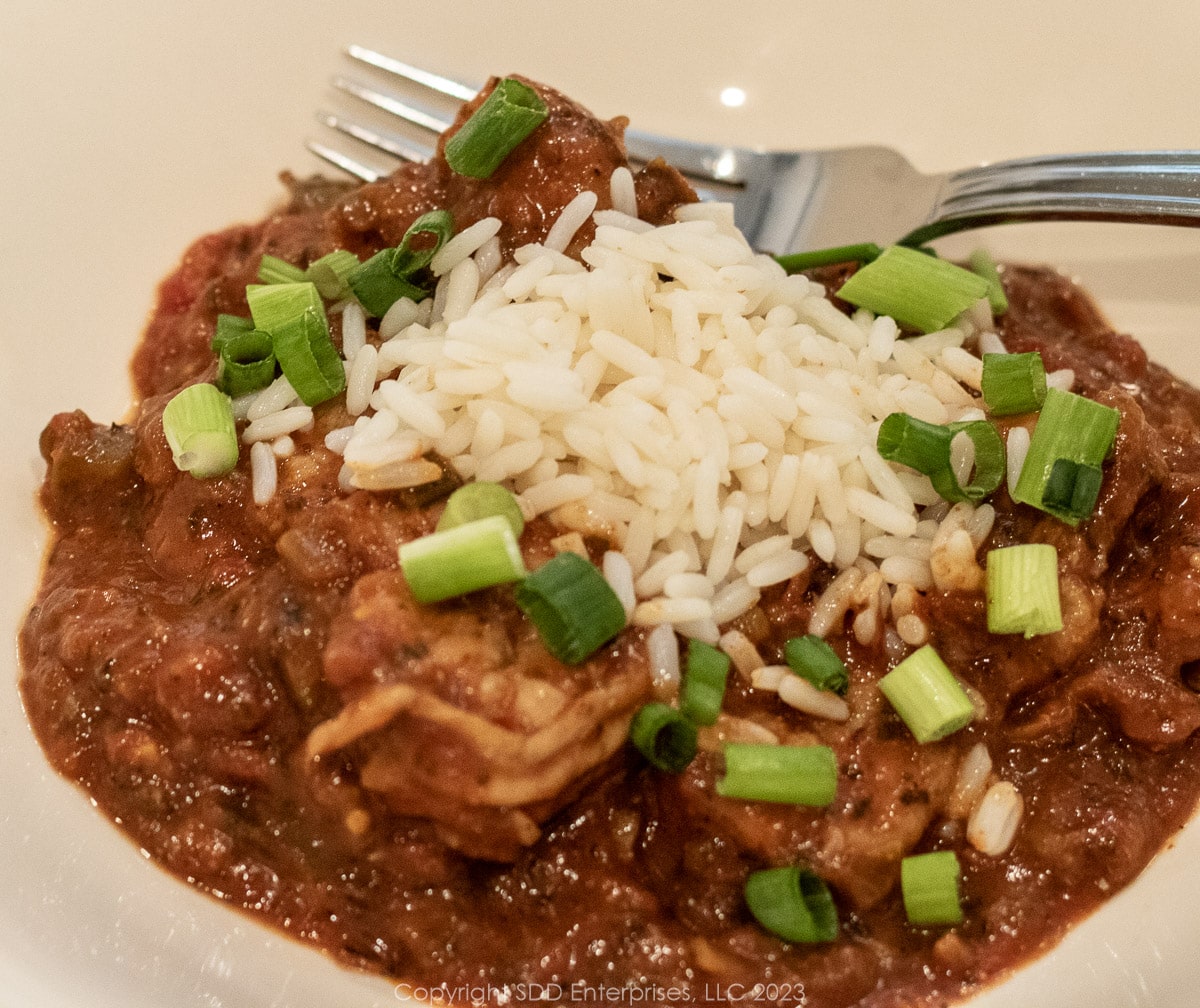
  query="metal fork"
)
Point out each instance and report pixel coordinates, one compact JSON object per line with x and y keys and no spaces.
{"x":790,"y":200}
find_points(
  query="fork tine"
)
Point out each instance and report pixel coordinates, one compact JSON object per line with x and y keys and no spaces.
{"x":707,"y":161}
{"x":716,"y":171}
{"x":417,"y":115}
{"x":335,"y":157}
{"x":384,"y":140}
{"x":435,"y":82}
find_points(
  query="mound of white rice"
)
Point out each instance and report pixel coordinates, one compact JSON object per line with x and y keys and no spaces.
{"x":678,"y":394}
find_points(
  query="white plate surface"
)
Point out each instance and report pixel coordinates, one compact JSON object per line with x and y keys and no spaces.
{"x":131,"y":128}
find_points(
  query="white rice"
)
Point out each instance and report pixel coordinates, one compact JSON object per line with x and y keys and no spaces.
{"x":360,"y":378}
{"x":677,"y":394}
{"x":622,"y":192}
{"x":993,"y":822}
{"x":354,"y":329}
{"x":990,"y":342}
{"x":688,"y":584}
{"x":1016,"y":449}
{"x":972,"y":781}
{"x":768,"y":677}
{"x":742,"y":653}
{"x":263,"y":472}
{"x":1062,"y":379}
{"x":663,"y":653}
{"x":275,"y":397}
{"x":733,"y":599}
{"x":619,"y":576}
{"x":273,"y":425}
{"x":671,"y":610}
{"x":464,"y":245}
{"x":804,"y":696}
{"x":574,"y":215}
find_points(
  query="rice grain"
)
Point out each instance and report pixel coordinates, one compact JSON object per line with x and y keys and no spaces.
{"x":993,"y":823}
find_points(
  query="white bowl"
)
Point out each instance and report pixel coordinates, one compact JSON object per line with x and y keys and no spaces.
{"x":130,"y":131}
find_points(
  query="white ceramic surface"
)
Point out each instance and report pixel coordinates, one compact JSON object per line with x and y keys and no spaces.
{"x":130,"y":128}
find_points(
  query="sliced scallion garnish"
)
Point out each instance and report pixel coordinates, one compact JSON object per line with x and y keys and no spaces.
{"x":506,"y":116}
{"x":438,"y":225}
{"x":792,"y":775}
{"x":573,"y":608}
{"x":916,"y":289}
{"x":793,"y":903}
{"x":331,"y":274}
{"x":481,"y":500}
{"x":246,"y":363}
{"x":273,"y":270}
{"x":702,"y":690}
{"x":1022,"y":590}
{"x":229,"y":326}
{"x":294,"y":317}
{"x":797,"y":262}
{"x":200,"y":431}
{"x":461,"y":560}
{"x":377,"y":287}
{"x":927,"y":697}
{"x":1073,"y":488}
{"x":665,"y":736}
{"x":927,"y":447}
{"x":1074,"y":436}
{"x":811,"y":658}
{"x":929,"y":885}
{"x":982,"y":264}
{"x":397,"y":273}
{"x":1013,"y":383}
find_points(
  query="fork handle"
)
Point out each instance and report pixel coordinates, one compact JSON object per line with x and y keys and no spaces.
{"x":1160,"y":187}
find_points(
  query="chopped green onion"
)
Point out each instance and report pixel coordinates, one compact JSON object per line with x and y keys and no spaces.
{"x":481,"y":500}
{"x":797,"y":262}
{"x":791,"y":775}
{"x":927,"y":697}
{"x":294,"y":316}
{"x":246,"y":364}
{"x":702,"y":691}
{"x":917,"y":290}
{"x":982,"y":264}
{"x":1073,"y":488}
{"x":396,"y":273}
{"x":1078,"y":431}
{"x":229,"y":326}
{"x":574,"y":609}
{"x":1013,"y":383}
{"x":273,"y":270}
{"x":665,"y":736}
{"x":813,"y":659}
{"x":377,"y":287}
{"x":793,"y":903}
{"x":929,"y":887}
{"x":331,"y":274}
{"x":437,"y":223}
{"x":926,"y":447}
{"x":461,"y":560}
{"x":198,"y":423}
{"x":913,"y":442}
{"x":309,"y":359}
{"x":1022,"y":590}
{"x":989,"y":463}
{"x":507,"y":116}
